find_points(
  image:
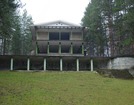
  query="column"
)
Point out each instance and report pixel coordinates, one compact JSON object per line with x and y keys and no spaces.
{"x":59,"y":47}
{"x":36,"y":49}
{"x":91,"y":61}
{"x":110,"y":64}
{"x":11,"y":64}
{"x":48,"y":48}
{"x":44,"y":64}
{"x":77,"y":64}
{"x":61,"y":66}
{"x":71,"y":48}
{"x":82,"y":49}
{"x":59,"y":35}
{"x":28,"y":64}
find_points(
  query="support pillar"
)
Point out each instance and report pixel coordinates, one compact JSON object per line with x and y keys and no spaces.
{"x":48,"y":48}
{"x":61,"y":64}
{"x":36,"y":49}
{"x":44,"y":64}
{"x":82,"y":49}
{"x":11,"y":64}
{"x":59,"y":47}
{"x":77,"y":64}
{"x":71,"y":48}
{"x":28,"y":64}
{"x":110,"y":64}
{"x":91,"y":61}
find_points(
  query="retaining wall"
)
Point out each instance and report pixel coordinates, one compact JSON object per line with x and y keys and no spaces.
{"x":121,"y":63}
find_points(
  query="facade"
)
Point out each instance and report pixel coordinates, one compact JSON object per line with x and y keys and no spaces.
{"x":58,"y":38}
{"x":62,"y":45}
{"x":59,"y":46}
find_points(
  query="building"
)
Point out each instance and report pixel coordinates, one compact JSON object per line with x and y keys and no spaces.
{"x":61,"y":43}
{"x":59,"y":46}
{"x":58,"y":38}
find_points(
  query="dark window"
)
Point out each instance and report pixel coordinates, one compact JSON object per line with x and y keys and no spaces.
{"x":65,"y":49}
{"x":77,"y":49}
{"x":65,"y":35}
{"x":54,"y":36}
{"x":53,"y":48}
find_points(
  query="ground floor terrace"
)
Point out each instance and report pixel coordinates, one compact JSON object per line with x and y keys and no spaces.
{"x":52,"y":63}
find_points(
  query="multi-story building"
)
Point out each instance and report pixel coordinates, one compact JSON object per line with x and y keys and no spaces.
{"x":62,"y":45}
{"x":57,"y":45}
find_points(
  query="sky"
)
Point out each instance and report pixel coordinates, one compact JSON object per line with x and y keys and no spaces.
{"x":52,"y":10}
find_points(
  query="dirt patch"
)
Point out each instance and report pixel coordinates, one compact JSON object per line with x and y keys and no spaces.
{"x":123,"y":74}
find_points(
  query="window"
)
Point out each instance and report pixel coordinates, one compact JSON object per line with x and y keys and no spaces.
{"x":53,"y":48}
{"x":54,"y":36}
{"x":65,"y":35}
{"x":59,"y":36}
{"x":65,"y":49}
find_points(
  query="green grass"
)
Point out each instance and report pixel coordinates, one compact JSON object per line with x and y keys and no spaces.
{"x":63,"y":88}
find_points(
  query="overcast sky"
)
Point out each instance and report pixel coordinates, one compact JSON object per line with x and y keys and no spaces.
{"x":52,"y":10}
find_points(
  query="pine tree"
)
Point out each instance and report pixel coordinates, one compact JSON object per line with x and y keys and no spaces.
{"x":16,"y":35}
{"x":7,"y":9}
{"x":95,"y":35}
{"x":21,"y":42}
{"x":110,"y":27}
{"x":26,"y":37}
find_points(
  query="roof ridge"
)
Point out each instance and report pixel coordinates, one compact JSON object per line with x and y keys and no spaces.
{"x":56,"y":23}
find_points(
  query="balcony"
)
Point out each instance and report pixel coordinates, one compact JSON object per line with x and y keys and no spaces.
{"x":57,"y":42}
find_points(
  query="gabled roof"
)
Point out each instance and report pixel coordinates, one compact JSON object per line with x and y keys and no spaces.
{"x":57,"y":23}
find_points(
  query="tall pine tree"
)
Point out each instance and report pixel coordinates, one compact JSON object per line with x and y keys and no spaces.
{"x":110,"y":27}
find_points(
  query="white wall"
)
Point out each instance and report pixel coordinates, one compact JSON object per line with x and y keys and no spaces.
{"x":76,"y":36}
{"x":42,"y":36}
{"x":121,"y":63}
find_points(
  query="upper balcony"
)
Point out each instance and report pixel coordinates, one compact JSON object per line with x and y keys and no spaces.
{"x":57,"y":30}
{"x":59,"y":36}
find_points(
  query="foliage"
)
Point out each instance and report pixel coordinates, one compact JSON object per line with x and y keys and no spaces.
{"x":16,"y":36}
{"x":95,"y":36}
{"x":26,"y":33}
{"x":14,"y":28}
{"x":111,"y":29}
{"x":7,"y":9}
{"x":22,"y":38}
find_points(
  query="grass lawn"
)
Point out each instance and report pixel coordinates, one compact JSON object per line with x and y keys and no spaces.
{"x":63,"y":88}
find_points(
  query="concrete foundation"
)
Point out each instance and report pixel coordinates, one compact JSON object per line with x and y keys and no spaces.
{"x":121,"y":63}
